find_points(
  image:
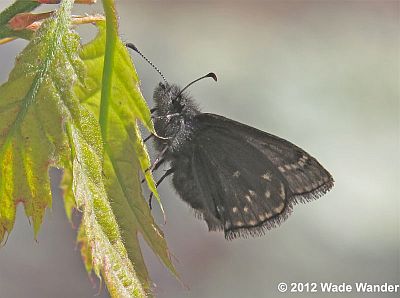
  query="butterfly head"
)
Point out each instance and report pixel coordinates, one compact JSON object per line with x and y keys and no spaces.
{"x":169,"y":99}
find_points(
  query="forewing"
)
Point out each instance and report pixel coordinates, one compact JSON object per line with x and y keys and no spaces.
{"x":305,"y":176}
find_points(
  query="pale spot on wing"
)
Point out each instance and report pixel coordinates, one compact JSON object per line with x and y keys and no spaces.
{"x":252,"y":222}
{"x":234,"y":209}
{"x":316,"y":184}
{"x":267,"y":194}
{"x":326,"y":179}
{"x":220,"y":209}
{"x":279,"y":208}
{"x":246,"y":209}
{"x":239,"y":223}
{"x":267,"y":176}
{"x":268,"y":214}
{"x":227,"y":224}
{"x":261,"y":217}
{"x":294,"y":166}
{"x":282,"y":191}
{"x":236,"y":174}
{"x":252,"y":193}
{"x":302,"y":161}
{"x":248,"y":198}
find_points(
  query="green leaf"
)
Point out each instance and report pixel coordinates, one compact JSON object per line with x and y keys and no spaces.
{"x":99,"y":224}
{"x":42,"y":124}
{"x":68,"y":194}
{"x":86,"y":250}
{"x":124,"y":150}
{"x":32,"y":114}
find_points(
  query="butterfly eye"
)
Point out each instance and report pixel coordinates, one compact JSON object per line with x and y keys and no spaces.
{"x":178,"y":106}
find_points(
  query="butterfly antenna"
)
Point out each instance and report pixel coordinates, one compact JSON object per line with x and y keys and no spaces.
{"x":133,"y":47}
{"x":209,"y":75}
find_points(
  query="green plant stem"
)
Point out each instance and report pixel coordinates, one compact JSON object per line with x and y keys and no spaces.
{"x":111,"y":38}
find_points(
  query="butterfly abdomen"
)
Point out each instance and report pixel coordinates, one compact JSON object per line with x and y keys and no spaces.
{"x":184,"y":182}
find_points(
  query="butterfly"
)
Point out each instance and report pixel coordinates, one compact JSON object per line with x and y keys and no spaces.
{"x":237,"y":178}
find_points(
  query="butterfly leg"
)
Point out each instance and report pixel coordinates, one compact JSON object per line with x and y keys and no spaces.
{"x":155,"y":168}
{"x":152,"y":135}
{"x":166,"y":174}
{"x":159,"y":160}
{"x":157,"y":163}
{"x":168,"y":117}
{"x":148,"y":138}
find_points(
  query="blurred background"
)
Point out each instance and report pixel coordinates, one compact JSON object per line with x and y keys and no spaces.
{"x":322,"y":74}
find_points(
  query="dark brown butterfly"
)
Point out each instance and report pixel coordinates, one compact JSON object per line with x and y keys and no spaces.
{"x":237,"y":178}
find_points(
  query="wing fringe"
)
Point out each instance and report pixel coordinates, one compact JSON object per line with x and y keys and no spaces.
{"x":275,"y":221}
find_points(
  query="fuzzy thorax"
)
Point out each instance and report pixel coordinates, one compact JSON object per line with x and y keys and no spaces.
{"x":174,"y":116}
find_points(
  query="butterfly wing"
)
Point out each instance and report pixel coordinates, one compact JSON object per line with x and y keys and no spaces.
{"x":243,"y":180}
{"x":305,"y":176}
